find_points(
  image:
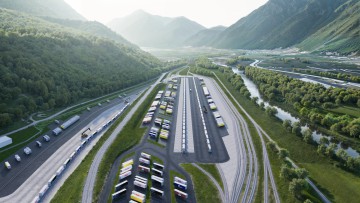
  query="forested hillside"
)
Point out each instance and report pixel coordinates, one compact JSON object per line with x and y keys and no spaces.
{"x":44,"y":65}
{"x":50,"y":8}
{"x":341,"y":34}
{"x":92,"y":27}
{"x":204,"y":36}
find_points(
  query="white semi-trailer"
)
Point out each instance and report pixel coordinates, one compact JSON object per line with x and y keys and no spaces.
{"x":69,"y":122}
{"x":57,"y":131}
{"x":206,"y":91}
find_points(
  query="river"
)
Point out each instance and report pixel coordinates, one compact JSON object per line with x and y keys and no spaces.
{"x":283,"y":115}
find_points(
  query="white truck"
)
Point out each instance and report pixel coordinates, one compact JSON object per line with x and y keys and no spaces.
{"x":27,"y":150}
{"x":7,"y":165}
{"x":17,"y":157}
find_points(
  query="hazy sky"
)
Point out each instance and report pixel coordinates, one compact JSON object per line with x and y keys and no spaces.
{"x":206,"y":12}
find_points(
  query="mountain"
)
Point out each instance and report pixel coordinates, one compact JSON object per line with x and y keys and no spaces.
{"x":92,"y":27}
{"x":44,"y":65}
{"x":149,"y":30}
{"x":204,"y":36}
{"x":341,"y":34}
{"x":50,"y":8}
{"x":279,"y":23}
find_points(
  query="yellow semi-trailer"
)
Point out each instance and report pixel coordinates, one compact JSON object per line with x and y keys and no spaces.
{"x":137,"y":198}
{"x":127,"y":163}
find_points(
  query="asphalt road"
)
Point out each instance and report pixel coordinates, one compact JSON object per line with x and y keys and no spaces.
{"x":10,"y":180}
{"x":90,"y":180}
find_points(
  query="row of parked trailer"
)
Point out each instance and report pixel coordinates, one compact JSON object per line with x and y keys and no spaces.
{"x":183,"y":133}
{"x":203,"y":122}
{"x":139,"y":181}
{"x":219,"y":121}
{"x":72,"y":156}
{"x":180,"y":187}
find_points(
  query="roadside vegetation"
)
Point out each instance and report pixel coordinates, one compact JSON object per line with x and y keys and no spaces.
{"x":320,"y":168}
{"x":205,"y":190}
{"x":129,"y":136}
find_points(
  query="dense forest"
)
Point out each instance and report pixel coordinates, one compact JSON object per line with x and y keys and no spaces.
{"x":309,"y":100}
{"x":44,"y":65}
{"x":329,"y":74}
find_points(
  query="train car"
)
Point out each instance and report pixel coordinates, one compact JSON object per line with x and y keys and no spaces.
{"x":180,"y":185}
{"x":125,"y":175}
{"x":66,"y":162}
{"x":157,"y":191}
{"x":159,"y":166}
{"x":120,"y":185}
{"x":145,"y":155}
{"x":127,"y":168}
{"x":52,"y":180}
{"x":157,"y":171}
{"x":60,"y":170}
{"x":69,"y":122}
{"x":144,"y":161}
{"x":127,"y":163}
{"x":158,"y":180}
{"x":144,"y":169}
{"x":118,"y":194}
{"x":180,"y":180}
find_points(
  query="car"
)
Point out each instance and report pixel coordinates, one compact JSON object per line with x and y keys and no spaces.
{"x":166,"y":121}
{"x":166,"y":126}
{"x":57,"y":122}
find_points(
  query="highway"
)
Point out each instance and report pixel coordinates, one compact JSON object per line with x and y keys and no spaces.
{"x":91,"y":177}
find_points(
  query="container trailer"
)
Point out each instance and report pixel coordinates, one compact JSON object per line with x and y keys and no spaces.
{"x":69,"y":122}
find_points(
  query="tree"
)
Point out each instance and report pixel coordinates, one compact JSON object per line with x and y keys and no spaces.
{"x":271,"y":145}
{"x":296,"y":128}
{"x":321,"y":149}
{"x":308,"y":201}
{"x":355,"y":131}
{"x":330,"y":150}
{"x":296,"y":186}
{"x":287,"y":125}
{"x":308,"y":136}
{"x":262,"y":105}
{"x":342,"y":155}
{"x":301,"y":173}
{"x":283,"y":153}
{"x":324,"y":141}
{"x":286,"y":172}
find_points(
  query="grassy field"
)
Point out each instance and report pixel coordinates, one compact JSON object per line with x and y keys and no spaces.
{"x":351,"y":111}
{"x":184,"y":71}
{"x":172,"y":176}
{"x":211,"y":168}
{"x":303,"y":154}
{"x":205,"y":190}
{"x":72,"y":188}
{"x":129,"y":136}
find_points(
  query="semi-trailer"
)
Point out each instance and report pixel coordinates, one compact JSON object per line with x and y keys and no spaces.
{"x":140,"y":184}
{"x":180,"y":180}
{"x":144,"y":161}
{"x":180,"y":185}
{"x":144,"y":169}
{"x":158,"y":179}
{"x":157,"y":191}
{"x":122,"y":184}
{"x":145,"y":155}
{"x":160,"y":166}
{"x":118,"y":194}
{"x":157,"y":171}
{"x":127,"y":168}
{"x":206,"y":91}
{"x":137,"y":198}
{"x":181,"y":194}
{"x":127,"y":163}
{"x":141,"y":179}
{"x":69,"y":122}
{"x":125,"y":175}
{"x":46,"y":138}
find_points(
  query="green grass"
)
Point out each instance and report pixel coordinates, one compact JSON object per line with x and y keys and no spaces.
{"x":156,"y":143}
{"x":184,"y":71}
{"x":72,"y":188}
{"x":172,"y":176}
{"x":129,"y":136}
{"x":351,"y":111}
{"x":205,"y":190}
{"x":303,"y":154}
{"x":211,"y":168}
